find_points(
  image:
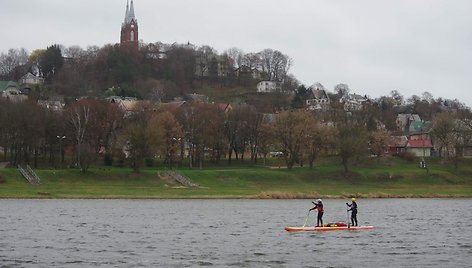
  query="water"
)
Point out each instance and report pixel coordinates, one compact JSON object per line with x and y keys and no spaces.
{"x":232,"y":233}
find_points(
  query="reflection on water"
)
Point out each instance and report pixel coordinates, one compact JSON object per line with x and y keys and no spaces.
{"x":236,"y":233}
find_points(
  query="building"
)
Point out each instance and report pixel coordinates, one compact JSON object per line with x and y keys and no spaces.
{"x":10,"y":91}
{"x":129,"y":28}
{"x":317,"y":99}
{"x":353,"y":102}
{"x":419,"y":145}
{"x":31,"y":79}
{"x":268,"y":86}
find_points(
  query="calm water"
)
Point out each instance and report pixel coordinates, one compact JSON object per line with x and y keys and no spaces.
{"x":232,"y":233}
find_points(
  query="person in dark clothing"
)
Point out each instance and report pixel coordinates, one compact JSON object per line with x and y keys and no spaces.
{"x":353,"y":209}
{"x":318,"y":206}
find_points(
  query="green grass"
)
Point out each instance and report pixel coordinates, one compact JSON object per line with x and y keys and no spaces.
{"x":391,"y":178}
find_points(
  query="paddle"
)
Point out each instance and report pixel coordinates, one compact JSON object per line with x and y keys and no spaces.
{"x":306,"y":218}
{"x":348,"y":222}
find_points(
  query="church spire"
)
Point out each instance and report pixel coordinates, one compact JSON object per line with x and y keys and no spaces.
{"x":127,"y":11}
{"x":129,"y":15}
{"x":131,"y":11}
{"x":129,"y":28}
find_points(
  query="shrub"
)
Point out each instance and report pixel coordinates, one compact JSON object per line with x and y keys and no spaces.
{"x":108,"y":160}
{"x":149,"y":162}
{"x":410,"y":157}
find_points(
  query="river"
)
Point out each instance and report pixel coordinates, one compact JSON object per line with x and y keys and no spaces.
{"x":232,"y":233}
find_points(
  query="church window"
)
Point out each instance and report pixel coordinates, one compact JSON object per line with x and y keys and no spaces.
{"x":131,"y":36}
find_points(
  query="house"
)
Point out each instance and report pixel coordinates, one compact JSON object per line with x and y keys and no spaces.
{"x":53,"y":105}
{"x":317,"y":99}
{"x":268,"y":86}
{"x":408,"y":122}
{"x":171,"y":106}
{"x":245,"y":71}
{"x":128,"y":105}
{"x":397,"y":145}
{"x":10,"y":91}
{"x":353,"y":102}
{"x":200,"y":98}
{"x":216,"y":65}
{"x":31,"y":79}
{"x":224,"y":107}
{"x":420,"y":145}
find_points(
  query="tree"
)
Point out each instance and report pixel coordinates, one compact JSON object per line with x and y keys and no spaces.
{"x":236,"y":56}
{"x":352,"y":142}
{"x":9,"y":62}
{"x":169,"y":135}
{"x":443,"y":132}
{"x":397,"y":97}
{"x":300,"y":97}
{"x":79,"y":116}
{"x":321,"y":138}
{"x":50,"y":62}
{"x":292,"y":130}
{"x":379,"y":141}
{"x":274,"y":64}
{"x":140,"y":136}
{"x":341,"y":90}
{"x":205,"y":56}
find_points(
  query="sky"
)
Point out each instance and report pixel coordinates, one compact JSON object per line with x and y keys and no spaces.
{"x":374,"y":46}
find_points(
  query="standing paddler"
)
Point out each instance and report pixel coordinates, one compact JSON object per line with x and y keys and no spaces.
{"x":353,"y":209}
{"x":318,"y":206}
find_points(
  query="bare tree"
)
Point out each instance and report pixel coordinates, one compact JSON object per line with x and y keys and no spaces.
{"x":274,"y":64}
{"x":236,"y":56}
{"x":13,"y":59}
{"x":79,"y":117}
{"x":443,"y":133}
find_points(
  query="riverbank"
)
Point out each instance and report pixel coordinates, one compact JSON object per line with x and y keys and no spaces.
{"x":376,"y":180}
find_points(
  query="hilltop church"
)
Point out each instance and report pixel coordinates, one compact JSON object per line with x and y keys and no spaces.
{"x":129,"y":28}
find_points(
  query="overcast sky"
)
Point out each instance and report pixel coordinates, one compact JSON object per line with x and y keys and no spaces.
{"x":374,"y":46}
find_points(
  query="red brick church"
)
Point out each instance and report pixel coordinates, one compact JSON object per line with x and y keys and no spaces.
{"x":129,"y":28}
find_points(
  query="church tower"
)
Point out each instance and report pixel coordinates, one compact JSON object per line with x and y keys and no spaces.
{"x":129,"y":28}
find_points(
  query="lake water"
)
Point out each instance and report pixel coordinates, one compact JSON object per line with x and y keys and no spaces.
{"x":232,"y":233}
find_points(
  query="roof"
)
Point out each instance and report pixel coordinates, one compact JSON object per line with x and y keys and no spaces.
{"x":398,"y":141}
{"x":7,"y":84}
{"x":420,"y":144}
{"x":319,"y":93}
{"x":171,"y":106}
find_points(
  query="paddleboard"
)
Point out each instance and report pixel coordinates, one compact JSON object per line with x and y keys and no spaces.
{"x":312,"y":228}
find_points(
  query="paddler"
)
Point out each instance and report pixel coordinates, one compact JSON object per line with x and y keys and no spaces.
{"x":353,"y":209}
{"x":318,"y":206}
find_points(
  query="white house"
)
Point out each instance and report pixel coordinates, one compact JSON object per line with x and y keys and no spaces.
{"x":31,"y":79}
{"x":317,"y":99}
{"x":353,"y":102}
{"x":268,"y":86}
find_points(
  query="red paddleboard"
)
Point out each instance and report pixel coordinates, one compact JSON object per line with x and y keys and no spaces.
{"x":312,"y":228}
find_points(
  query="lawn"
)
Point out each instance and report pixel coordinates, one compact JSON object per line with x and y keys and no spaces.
{"x":391,"y":178}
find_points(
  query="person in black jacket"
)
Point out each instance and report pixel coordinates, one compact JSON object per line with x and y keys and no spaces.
{"x":353,"y":209}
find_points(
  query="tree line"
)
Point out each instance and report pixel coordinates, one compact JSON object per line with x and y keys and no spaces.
{"x":154,"y":71}
{"x":199,"y":133}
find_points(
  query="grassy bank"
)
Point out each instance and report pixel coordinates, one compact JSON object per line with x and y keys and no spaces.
{"x":383,"y":179}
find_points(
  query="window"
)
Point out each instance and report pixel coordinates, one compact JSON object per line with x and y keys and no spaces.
{"x":131,"y":36}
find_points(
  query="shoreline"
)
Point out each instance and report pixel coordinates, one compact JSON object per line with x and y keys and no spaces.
{"x":226,"y":197}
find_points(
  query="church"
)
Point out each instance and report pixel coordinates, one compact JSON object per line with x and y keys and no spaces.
{"x":129,"y":28}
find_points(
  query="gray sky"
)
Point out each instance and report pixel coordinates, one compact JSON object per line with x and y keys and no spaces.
{"x":374,"y":46}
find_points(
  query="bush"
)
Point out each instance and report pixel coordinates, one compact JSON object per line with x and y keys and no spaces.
{"x":410,"y":157}
{"x":108,"y":160}
{"x":149,"y":162}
